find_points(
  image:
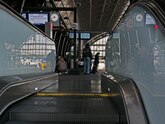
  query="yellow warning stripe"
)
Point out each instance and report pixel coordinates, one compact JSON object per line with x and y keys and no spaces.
{"x":76,"y":94}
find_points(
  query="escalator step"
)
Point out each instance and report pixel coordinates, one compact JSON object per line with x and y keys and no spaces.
{"x":54,"y":117}
{"x":31,"y":122}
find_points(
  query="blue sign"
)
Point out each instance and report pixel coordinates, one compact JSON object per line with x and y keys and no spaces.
{"x":83,"y":35}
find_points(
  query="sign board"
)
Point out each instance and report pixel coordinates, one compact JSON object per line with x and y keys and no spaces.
{"x":150,"y":20}
{"x":83,"y":35}
{"x":38,"y":18}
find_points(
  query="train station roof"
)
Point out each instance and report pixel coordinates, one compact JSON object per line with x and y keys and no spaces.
{"x":94,"y":16}
{"x":97,"y":17}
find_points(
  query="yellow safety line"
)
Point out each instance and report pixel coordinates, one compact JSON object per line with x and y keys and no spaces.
{"x":76,"y":94}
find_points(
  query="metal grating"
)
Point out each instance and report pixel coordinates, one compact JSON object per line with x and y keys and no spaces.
{"x":54,"y":117}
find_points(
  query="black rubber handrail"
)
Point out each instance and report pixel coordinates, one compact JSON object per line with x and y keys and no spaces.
{"x":131,"y":97}
{"x":154,"y":8}
{"x":25,"y":88}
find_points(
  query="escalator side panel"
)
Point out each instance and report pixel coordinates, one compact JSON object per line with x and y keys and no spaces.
{"x":129,"y":94}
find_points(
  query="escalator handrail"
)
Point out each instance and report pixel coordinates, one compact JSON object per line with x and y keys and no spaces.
{"x":36,"y":84}
{"x":25,"y":81}
{"x":130,"y":92}
{"x":155,"y":10}
{"x":151,"y":5}
{"x":131,"y":97}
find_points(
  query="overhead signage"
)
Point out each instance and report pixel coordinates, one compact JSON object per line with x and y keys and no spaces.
{"x":38,"y":18}
{"x":71,"y":35}
{"x":83,"y":35}
{"x":150,"y":20}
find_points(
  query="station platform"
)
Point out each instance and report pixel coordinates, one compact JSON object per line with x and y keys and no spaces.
{"x":74,"y":99}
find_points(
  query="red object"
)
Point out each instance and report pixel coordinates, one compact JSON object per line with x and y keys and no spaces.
{"x":156,"y":26}
{"x":51,"y":25}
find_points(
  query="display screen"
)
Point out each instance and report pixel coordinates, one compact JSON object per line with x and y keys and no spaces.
{"x":83,"y":35}
{"x":149,"y":20}
{"x":38,"y":18}
{"x":71,"y":35}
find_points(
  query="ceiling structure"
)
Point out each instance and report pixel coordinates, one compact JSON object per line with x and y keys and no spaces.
{"x":98,"y":17}
{"x":94,"y":16}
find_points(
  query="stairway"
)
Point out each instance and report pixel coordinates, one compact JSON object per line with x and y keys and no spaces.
{"x":64,"y":110}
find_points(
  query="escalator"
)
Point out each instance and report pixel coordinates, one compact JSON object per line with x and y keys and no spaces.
{"x":71,"y":100}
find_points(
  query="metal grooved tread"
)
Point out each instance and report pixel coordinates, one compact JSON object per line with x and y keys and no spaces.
{"x":65,"y":109}
{"x":30,"y":122}
{"x":68,"y":109}
{"x":53,"y":117}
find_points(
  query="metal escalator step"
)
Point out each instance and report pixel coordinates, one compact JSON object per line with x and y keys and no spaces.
{"x":32,"y":122}
{"x":29,"y":122}
{"x":54,"y":117}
